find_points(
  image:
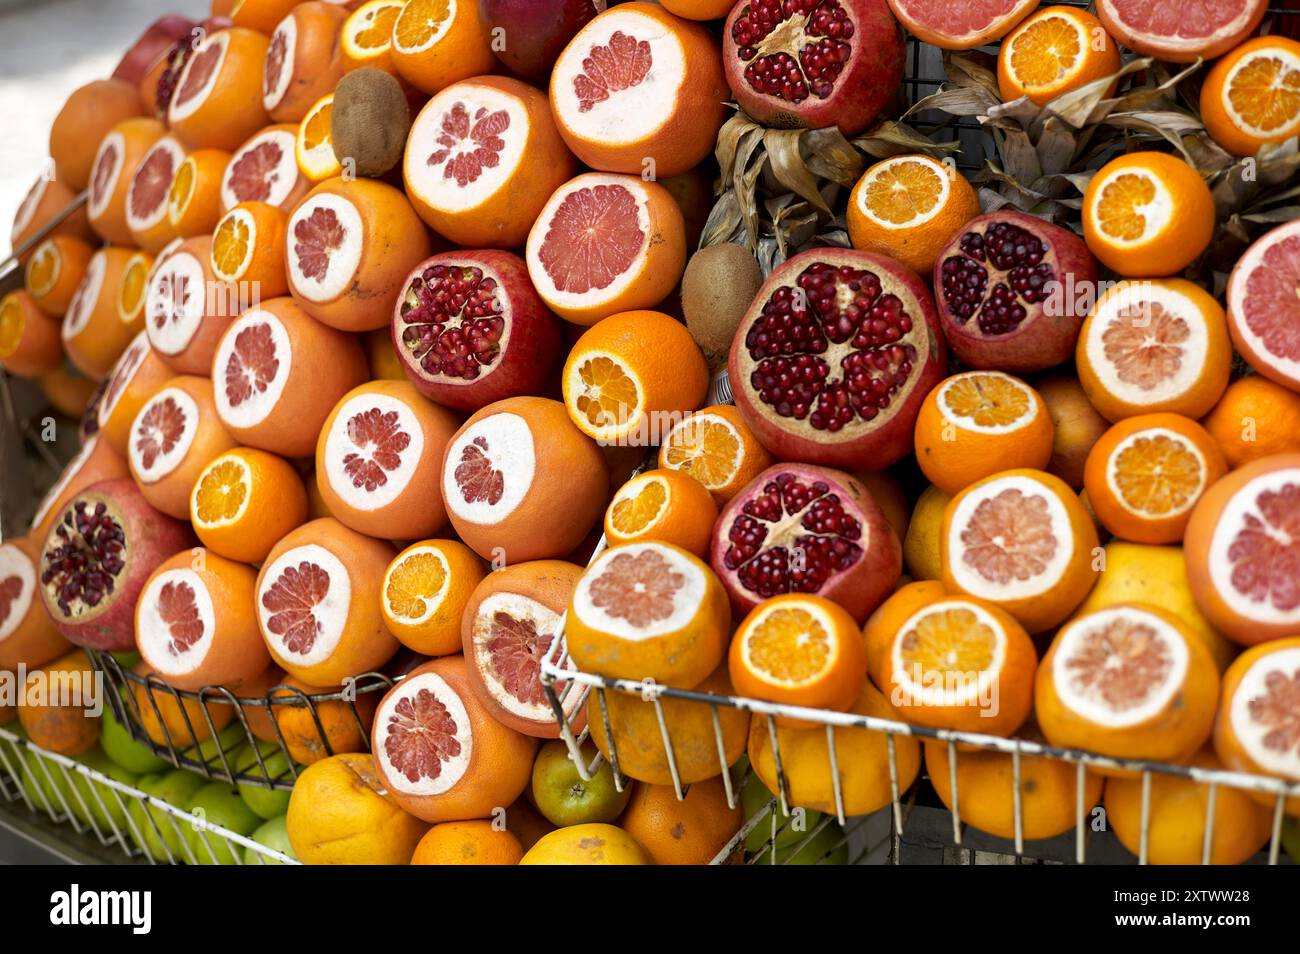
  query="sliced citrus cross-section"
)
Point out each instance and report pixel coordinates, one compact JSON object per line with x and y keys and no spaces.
{"x":437,"y":42}
{"x":248,"y":246}
{"x":1252,"y":96}
{"x":1264,"y":305}
{"x":1057,"y":50}
{"x":244,"y":501}
{"x":313,"y":148}
{"x":1257,"y":729}
{"x":426,"y":589}
{"x":367,"y":35}
{"x":717,"y":448}
{"x":666,"y":505}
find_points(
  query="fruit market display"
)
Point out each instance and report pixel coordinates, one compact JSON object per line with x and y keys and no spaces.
{"x":469,"y":390}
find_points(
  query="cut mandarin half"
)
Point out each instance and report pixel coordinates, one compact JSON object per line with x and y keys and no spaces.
{"x":1022,"y":541}
{"x":633,"y":375}
{"x":1055,"y":51}
{"x":303,"y":60}
{"x":638,"y":89}
{"x":133,"y":290}
{"x":664,"y":505}
{"x":1147,"y":214}
{"x":1255,"y":730}
{"x":265,"y":169}
{"x":884,"y":623}
{"x":439,"y":42}
{"x":113,"y":173}
{"x":507,"y":629}
{"x":244,"y":501}
{"x":278,"y":374}
{"x":649,"y":611}
{"x":1264,"y":305}
{"x":194,"y":199}
{"x":318,"y":598}
{"x":975,"y":424}
{"x":604,"y":244}
{"x":1243,"y":547}
{"x":1146,"y":473}
{"x":313,"y":147}
{"x":1130,"y":682}
{"x":908,"y":207}
{"x":1154,"y":345}
{"x":961,"y":663}
{"x":55,"y":271}
{"x":146,"y":196}
{"x":367,"y":35}
{"x":47,"y":198}
{"x":426,"y":589}
{"x":188,"y":308}
{"x":136,"y":376}
{"x":93,"y":336}
{"x":248,"y":247}
{"x":218,"y":98}
{"x":1252,"y":95}
{"x":521,"y":482}
{"x":379,"y":461}
{"x":717,"y":448}
{"x":799,"y":649}
{"x":350,"y":246}
{"x":174,"y":435}
{"x":30,"y":343}
{"x":482,"y":159}
{"x":194,"y":622}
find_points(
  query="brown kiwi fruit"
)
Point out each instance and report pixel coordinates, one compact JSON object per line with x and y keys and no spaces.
{"x":718,"y":286}
{"x":370,"y":121}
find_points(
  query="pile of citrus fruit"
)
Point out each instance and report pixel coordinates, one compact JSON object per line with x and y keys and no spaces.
{"x":401,"y":346}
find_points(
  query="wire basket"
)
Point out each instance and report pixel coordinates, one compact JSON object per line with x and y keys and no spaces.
{"x":116,"y":814}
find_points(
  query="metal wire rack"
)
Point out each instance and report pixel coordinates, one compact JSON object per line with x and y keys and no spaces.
{"x":116,"y":814}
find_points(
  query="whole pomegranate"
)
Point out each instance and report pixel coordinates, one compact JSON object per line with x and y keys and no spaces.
{"x":470,"y":329}
{"x":533,"y":32}
{"x":96,"y":558}
{"x":153,"y":44}
{"x":832,"y":361}
{"x":813,"y":63}
{"x":1013,"y":290}
{"x":797,"y":528}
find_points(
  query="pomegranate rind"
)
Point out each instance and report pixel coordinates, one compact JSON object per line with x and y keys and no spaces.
{"x":1190,"y":40}
{"x":1267,"y":334}
{"x":862,"y":445}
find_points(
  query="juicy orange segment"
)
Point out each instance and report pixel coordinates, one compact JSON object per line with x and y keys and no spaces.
{"x":12,"y":324}
{"x":1121,"y":206}
{"x":1158,"y":475}
{"x":43,"y":271}
{"x":635,"y":514}
{"x":414,"y":583}
{"x":232,"y":245}
{"x":705,"y":447}
{"x":182,"y":188}
{"x":1264,"y":93}
{"x":949,"y":639}
{"x":130,"y":295}
{"x":1046,"y":51}
{"x":420,"y":23}
{"x":610,"y":396}
{"x":987,"y":400}
{"x":222,"y":493}
{"x":370,"y":29}
{"x":314,"y":149}
{"x":789,"y":646}
{"x":904,"y":191}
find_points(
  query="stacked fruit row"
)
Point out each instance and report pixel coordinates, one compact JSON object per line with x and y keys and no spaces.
{"x":334,"y":435}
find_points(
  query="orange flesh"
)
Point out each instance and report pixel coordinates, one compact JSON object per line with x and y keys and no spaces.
{"x":903,"y":192}
{"x":1118,"y":213}
{"x":704,"y":449}
{"x":987,"y":401}
{"x":949,"y":640}
{"x":1266,"y":93}
{"x":789,"y":645}
{"x":1157,"y":475}
{"x":1045,"y":52}
{"x":414,"y":582}
{"x":633,"y":514}
{"x":221,"y":493}
{"x":609,"y":394}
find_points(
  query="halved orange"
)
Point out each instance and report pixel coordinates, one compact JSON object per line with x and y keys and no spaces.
{"x":799,"y":649}
{"x":908,"y":207}
{"x":438,"y":42}
{"x":119,"y":154}
{"x":248,"y":246}
{"x":1251,"y":96}
{"x":975,"y":424}
{"x":1147,"y":214}
{"x":665,"y":505}
{"x":425,"y":592}
{"x":244,"y":501}
{"x":367,"y":35}
{"x":194,"y":200}
{"x":131,"y":292}
{"x":54,"y":272}
{"x":1146,"y":473}
{"x":717,"y":448}
{"x":633,"y":376}
{"x":93,"y":336}
{"x":29,"y":339}
{"x":313,"y":149}
{"x":1056,"y":50}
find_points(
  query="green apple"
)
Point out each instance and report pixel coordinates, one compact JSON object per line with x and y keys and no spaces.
{"x":752,"y":798}
{"x":218,"y":804}
{"x":562,"y":795}
{"x":115,"y":739}
{"x":176,"y":788}
{"x":275,"y":836}
{"x":829,"y":839}
{"x":265,"y":802}
{"x":209,"y":751}
{"x":98,"y":802}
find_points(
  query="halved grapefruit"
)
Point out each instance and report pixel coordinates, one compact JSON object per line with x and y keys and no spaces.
{"x":265,"y":169}
{"x":146,"y":197}
{"x":1258,"y":728}
{"x":1179,"y":31}
{"x":1264,"y":305}
{"x":960,"y":26}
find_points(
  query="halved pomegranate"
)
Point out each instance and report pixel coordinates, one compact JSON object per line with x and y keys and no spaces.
{"x":797,"y":528}
{"x":470,"y":329}
{"x":100,"y":551}
{"x":1013,"y":290}
{"x":834,"y":357}
{"x":813,"y":63}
